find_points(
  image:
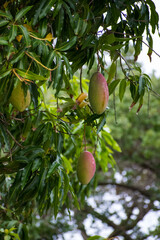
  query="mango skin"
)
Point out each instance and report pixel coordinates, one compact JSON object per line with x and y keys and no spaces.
{"x":86,"y":167}
{"x":18,"y":98}
{"x":98,"y":93}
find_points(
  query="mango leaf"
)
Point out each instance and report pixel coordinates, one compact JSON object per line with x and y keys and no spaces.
{"x":122,"y":89}
{"x":112,"y":72}
{"x":67,"y":45}
{"x":30,"y":75}
{"x":66,"y":186}
{"x":26,"y":174}
{"x":56,"y":196}
{"x":4,"y":73}
{"x":13,"y":33}
{"x":22,"y":12}
{"x":25,"y":34}
{"x":3,"y":41}
{"x":141,"y":85}
{"x":113,"y":85}
{"x":56,"y":9}
{"x":59,"y":22}
{"x":46,"y":8}
{"x":50,"y":58}
{"x":3,"y":22}
{"x":53,"y":168}
{"x":6,"y":14}
{"x":101,"y":123}
{"x":18,"y":56}
{"x":76,"y":203}
{"x":109,"y":140}
{"x":96,"y":237}
{"x":5,"y":136}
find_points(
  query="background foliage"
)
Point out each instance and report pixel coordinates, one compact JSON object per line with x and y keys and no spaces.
{"x":43,"y":44}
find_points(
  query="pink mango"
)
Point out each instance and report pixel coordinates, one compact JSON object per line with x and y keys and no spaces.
{"x":86,"y":167}
{"x":98,"y":93}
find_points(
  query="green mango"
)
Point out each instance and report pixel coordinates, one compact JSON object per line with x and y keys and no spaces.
{"x":98,"y":93}
{"x":18,"y":98}
{"x":86,"y":167}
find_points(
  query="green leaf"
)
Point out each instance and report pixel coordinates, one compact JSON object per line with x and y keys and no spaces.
{"x":66,"y":186}
{"x":76,"y":203}
{"x":60,"y":22}
{"x":141,"y":85}
{"x":46,"y":8}
{"x":96,"y":237}
{"x":53,"y":168}
{"x":113,"y":85}
{"x":26,"y":174}
{"x":122,"y":89}
{"x":13,"y":33}
{"x":3,"y":22}
{"x":57,"y":9}
{"x":22,"y":12}
{"x":6,"y":14}
{"x":3,"y":41}
{"x":25,"y":34}
{"x":19,"y":55}
{"x":50,"y":58}
{"x":101,"y":123}
{"x":112,"y":72}
{"x":5,"y":136}
{"x":30,"y":75}
{"x":4,"y":73}
{"x":67,"y":45}
{"x":56,"y":196}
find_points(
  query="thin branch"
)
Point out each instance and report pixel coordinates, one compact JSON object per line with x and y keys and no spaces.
{"x":14,"y":138}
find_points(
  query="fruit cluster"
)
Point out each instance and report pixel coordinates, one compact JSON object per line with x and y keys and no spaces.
{"x":98,"y":98}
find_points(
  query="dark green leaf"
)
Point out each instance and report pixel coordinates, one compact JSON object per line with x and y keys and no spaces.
{"x":141,"y":85}
{"x":22,"y":12}
{"x":13,"y":33}
{"x":122,"y":89}
{"x":3,"y":22}
{"x":53,"y":168}
{"x":4,"y":73}
{"x":25,"y":34}
{"x":113,"y":85}
{"x":46,"y":8}
{"x":6,"y":15}
{"x":3,"y":41}
{"x":67,"y":45}
{"x":19,"y":55}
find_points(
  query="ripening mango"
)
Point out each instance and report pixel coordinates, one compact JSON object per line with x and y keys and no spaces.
{"x":98,"y":93}
{"x":18,"y":98}
{"x":86,"y":167}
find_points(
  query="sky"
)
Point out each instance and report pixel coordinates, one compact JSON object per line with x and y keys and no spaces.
{"x":148,"y":66}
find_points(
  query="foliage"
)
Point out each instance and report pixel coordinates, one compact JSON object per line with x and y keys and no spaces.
{"x":43,"y":44}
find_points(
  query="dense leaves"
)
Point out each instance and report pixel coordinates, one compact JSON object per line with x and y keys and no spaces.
{"x":43,"y":44}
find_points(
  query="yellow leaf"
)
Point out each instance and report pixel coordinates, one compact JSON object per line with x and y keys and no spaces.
{"x":19,"y":37}
{"x":6,"y":4}
{"x":49,"y":37}
{"x":29,"y":28}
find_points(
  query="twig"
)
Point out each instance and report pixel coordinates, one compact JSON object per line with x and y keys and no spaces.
{"x":14,"y":138}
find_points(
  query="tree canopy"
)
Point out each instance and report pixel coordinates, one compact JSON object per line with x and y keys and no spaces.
{"x":46,"y":46}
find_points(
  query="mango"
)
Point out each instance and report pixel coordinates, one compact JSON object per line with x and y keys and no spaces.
{"x":18,"y":99}
{"x":98,"y":93}
{"x":86,"y":167}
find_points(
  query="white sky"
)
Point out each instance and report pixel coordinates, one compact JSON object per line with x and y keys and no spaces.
{"x":148,"y":66}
